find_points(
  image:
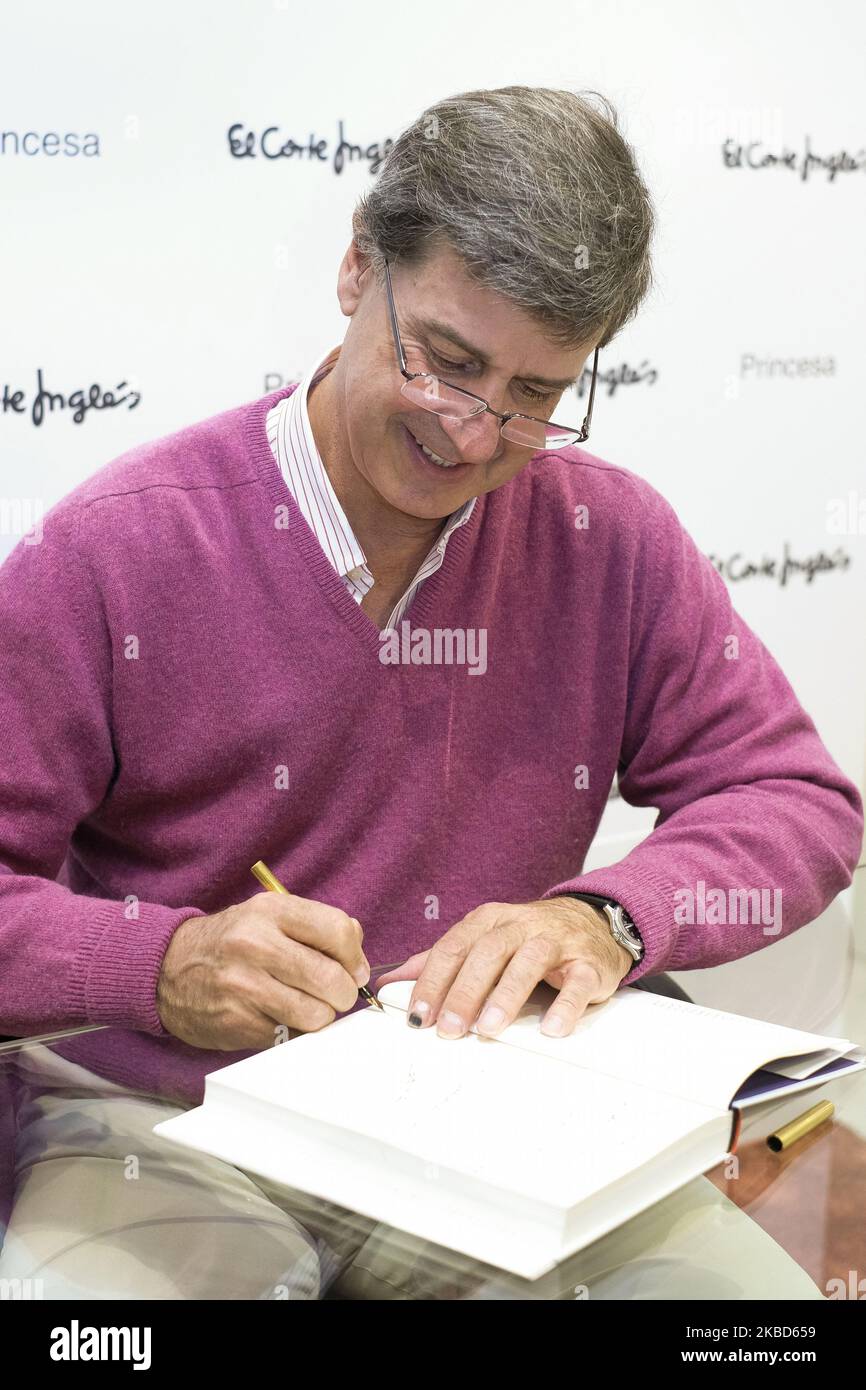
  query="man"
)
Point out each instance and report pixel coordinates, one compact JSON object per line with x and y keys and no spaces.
{"x":396,"y":640}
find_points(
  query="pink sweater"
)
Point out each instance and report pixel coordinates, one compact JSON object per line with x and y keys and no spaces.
{"x":189,"y":688}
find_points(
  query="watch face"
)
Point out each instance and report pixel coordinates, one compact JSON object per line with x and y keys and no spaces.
{"x":624,"y":931}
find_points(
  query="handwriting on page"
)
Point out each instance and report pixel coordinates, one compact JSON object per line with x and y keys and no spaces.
{"x":515,"y":1119}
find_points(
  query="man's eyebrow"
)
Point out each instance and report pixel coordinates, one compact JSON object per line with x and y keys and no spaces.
{"x":423,"y":327}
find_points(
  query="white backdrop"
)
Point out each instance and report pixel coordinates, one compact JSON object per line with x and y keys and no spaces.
{"x":147,"y":263}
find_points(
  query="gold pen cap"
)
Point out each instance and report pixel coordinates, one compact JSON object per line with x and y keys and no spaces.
{"x":790,"y":1133}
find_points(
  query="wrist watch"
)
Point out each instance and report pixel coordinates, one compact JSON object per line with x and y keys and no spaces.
{"x":622,"y":928}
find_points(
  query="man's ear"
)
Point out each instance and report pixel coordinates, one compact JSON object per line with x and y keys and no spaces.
{"x":352,"y":278}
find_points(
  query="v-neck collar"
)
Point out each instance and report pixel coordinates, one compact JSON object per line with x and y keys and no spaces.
{"x":280,"y":494}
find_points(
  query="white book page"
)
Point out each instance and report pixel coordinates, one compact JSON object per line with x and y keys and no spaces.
{"x":541,"y":1128}
{"x":799,"y":1068}
{"x":682,"y":1049}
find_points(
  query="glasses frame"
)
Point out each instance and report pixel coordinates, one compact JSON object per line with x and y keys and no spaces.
{"x":504,"y":417}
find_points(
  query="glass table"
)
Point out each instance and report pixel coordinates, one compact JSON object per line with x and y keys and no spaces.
{"x":94,"y":1206}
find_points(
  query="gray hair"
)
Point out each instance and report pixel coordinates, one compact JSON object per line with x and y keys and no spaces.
{"x":535,"y":190}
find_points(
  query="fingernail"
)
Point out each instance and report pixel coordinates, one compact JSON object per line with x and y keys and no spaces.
{"x":417,"y":1013}
{"x":492,"y":1019}
{"x":361,"y":975}
{"x":554,"y":1024}
{"x":451,"y":1026}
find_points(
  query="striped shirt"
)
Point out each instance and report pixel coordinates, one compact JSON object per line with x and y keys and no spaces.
{"x":290,"y":436}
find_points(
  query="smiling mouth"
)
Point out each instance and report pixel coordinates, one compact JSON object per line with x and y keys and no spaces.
{"x":428,"y":453}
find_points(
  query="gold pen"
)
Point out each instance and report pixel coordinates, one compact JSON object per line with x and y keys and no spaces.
{"x":270,"y":881}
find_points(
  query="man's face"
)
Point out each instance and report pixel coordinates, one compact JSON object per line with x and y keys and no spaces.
{"x":502,"y":356}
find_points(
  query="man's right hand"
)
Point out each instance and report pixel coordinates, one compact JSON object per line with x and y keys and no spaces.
{"x":229,"y":981}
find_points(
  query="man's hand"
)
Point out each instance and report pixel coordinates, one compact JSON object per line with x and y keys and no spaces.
{"x":490,"y":962}
{"x":230,"y":980}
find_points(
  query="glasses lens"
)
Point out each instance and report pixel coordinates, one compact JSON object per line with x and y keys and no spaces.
{"x":535,"y":434}
{"x":432,"y":394}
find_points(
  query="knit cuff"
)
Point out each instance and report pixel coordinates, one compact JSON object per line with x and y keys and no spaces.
{"x":116,"y":969}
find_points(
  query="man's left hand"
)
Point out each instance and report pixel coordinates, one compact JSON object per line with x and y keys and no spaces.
{"x":485,"y":967}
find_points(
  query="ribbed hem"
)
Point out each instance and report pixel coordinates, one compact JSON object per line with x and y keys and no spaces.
{"x":164,"y":1067}
{"x":116,"y":968}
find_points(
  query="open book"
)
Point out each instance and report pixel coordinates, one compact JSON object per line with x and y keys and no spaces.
{"x":516,"y":1150}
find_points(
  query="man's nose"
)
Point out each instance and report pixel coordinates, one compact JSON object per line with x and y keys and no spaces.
{"x":476,"y":439}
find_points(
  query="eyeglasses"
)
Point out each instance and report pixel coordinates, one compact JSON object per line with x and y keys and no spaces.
{"x":453,"y":402}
